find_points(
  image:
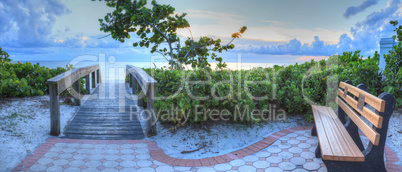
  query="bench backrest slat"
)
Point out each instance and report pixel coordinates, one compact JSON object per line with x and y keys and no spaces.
{"x":370,"y":133}
{"x":371,"y":116}
{"x":373,"y":101}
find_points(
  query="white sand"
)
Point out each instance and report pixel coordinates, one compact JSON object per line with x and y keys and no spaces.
{"x":219,"y":138}
{"x":25,"y":125}
{"x":394,"y":139}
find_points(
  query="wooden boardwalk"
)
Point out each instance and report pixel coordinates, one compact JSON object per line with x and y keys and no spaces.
{"x":105,"y":115}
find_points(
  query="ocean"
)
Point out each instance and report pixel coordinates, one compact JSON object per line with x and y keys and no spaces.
{"x":116,"y":70}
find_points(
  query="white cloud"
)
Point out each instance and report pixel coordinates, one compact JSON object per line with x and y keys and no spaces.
{"x":29,"y":23}
{"x":353,"y":10}
{"x":364,"y":36}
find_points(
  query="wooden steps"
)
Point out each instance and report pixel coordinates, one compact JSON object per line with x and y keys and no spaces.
{"x":105,"y":119}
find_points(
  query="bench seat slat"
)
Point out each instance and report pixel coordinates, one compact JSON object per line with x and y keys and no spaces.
{"x":336,"y":144}
{"x":371,"y":134}
{"x":347,"y":152}
{"x":332,"y":137}
{"x":322,"y":136}
{"x":345,"y":135}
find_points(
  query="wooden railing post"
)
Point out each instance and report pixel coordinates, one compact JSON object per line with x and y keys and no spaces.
{"x":139,"y":80}
{"x":139,"y":98}
{"x":93,"y":80}
{"x":97,"y":76}
{"x":63,"y":82}
{"x":54,"y":110}
{"x":151,"y":123}
{"x":77,"y":97}
{"x":135,"y":85}
{"x":133,"y":81}
{"x":127,"y":80}
{"x":87,"y":86}
{"x":130,"y":80}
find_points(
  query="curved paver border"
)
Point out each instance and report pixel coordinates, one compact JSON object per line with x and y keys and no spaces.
{"x":158,"y":154}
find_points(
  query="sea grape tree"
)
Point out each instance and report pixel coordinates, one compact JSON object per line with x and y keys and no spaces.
{"x":157,"y":25}
{"x":4,"y":56}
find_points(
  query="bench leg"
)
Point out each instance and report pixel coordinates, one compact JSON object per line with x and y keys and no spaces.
{"x":374,"y":158}
{"x":375,"y":154}
{"x":343,"y":166}
{"x":314,"y":131}
{"x":353,"y":131}
{"x":318,"y":151}
{"x":373,"y":164}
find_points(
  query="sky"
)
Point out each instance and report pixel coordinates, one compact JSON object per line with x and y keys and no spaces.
{"x":279,"y":31}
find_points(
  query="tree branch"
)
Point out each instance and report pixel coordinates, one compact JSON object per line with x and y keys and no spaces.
{"x":162,"y":55}
{"x":231,"y":41}
{"x":167,"y":39}
{"x":190,"y":33}
{"x":104,"y":36}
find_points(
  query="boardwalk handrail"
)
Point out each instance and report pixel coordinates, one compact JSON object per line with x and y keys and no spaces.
{"x":63,"y":81}
{"x":138,"y":78}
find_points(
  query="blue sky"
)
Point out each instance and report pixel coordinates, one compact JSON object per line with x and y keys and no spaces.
{"x":279,"y":31}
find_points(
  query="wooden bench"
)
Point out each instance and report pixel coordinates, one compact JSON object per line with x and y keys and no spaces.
{"x":340,"y":146}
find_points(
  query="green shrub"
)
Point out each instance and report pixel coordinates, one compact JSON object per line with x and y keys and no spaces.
{"x":292,"y":88}
{"x":393,"y":73}
{"x":26,"y":79}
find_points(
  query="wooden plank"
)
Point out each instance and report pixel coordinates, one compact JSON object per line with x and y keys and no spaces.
{"x":100,"y":121}
{"x":110,"y":128}
{"x":332,"y":139}
{"x":106,"y":137}
{"x":97,"y":76}
{"x":105,"y":117}
{"x":72,"y":71}
{"x":66,"y":79}
{"x":76,"y":94}
{"x":104,"y":122}
{"x":100,"y":76}
{"x":103,"y":132}
{"x":87,"y":85}
{"x":130,"y":80}
{"x":373,"y":101}
{"x":322,"y":136}
{"x":371,"y":134}
{"x":151,"y":122}
{"x":54,"y":110}
{"x":338,"y":140}
{"x":93,"y":79}
{"x":107,"y":124}
{"x":134,"y":89}
{"x":143,"y":79}
{"x":355,"y":154}
{"x":371,"y":116}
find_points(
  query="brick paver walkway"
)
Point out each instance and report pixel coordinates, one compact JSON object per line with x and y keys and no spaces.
{"x":287,"y":150}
